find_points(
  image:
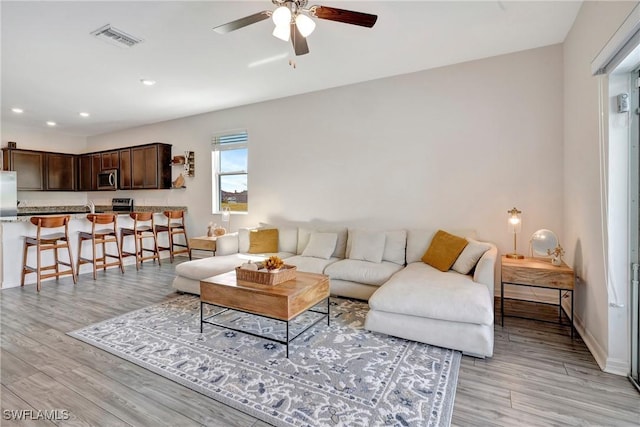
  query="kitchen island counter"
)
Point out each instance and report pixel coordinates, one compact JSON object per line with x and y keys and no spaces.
{"x":14,"y":228}
{"x":80,"y":212}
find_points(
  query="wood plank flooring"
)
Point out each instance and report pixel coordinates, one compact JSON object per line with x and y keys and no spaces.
{"x":537,"y":377}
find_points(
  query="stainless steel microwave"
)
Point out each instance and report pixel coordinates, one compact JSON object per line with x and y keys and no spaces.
{"x":108,"y":180}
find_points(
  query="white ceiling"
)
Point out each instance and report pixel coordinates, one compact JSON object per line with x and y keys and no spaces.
{"x":53,"y":68}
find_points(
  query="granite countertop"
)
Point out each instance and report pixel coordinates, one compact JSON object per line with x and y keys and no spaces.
{"x":79,"y":211}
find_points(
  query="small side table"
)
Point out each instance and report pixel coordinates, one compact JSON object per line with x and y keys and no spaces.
{"x":203,"y":243}
{"x":537,"y":273}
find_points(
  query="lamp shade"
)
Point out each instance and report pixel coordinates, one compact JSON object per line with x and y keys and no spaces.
{"x":305,"y":25}
{"x":226,"y":214}
{"x":514,"y":220}
{"x":282,"y":32}
{"x":281,"y":16}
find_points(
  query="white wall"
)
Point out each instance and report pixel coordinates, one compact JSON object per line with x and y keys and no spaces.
{"x":451,"y":147}
{"x":602,"y":331}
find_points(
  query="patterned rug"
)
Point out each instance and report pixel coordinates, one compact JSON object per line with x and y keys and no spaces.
{"x":337,"y":375}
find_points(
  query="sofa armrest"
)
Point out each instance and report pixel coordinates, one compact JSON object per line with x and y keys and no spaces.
{"x":227,"y":244}
{"x":485,"y":269}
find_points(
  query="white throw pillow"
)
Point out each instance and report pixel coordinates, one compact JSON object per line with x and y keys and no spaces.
{"x":395,"y":246}
{"x":470,"y":256}
{"x":305,"y":233}
{"x":321,"y":245}
{"x":243,"y":239}
{"x":367,"y":245}
{"x":287,"y":237}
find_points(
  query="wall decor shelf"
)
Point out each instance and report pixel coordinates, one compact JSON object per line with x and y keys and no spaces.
{"x":190,"y":163}
{"x":187,"y":162}
{"x":177,"y":160}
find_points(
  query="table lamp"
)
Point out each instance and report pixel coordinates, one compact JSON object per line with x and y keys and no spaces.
{"x":514,"y":223}
{"x":226,"y":218}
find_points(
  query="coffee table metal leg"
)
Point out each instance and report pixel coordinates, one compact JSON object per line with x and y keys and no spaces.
{"x":328,"y":311}
{"x":201,"y":316}
{"x":287,"y":340}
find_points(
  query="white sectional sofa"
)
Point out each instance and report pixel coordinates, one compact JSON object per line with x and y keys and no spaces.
{"x":407,"y":297}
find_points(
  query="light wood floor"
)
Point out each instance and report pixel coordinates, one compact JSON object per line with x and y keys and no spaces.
{"x":538,"y":376}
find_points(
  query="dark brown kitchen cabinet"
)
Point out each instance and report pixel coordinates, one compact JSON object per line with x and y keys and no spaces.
{"x":125,"y":169}
{"x":151,"y":166}
{"x":96,"y":167}
{"x":85,"y":173}
{"x":110,"y":160}
{"x":60,"y":172}
{"x":29,"y":166}
{"x":140,"y":167}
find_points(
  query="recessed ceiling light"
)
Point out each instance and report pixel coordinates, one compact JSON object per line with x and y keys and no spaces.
{"x":83,"y":114}
{"x":50,"y":123}
{"x":17,"y":110}
{"x":147,"y":82}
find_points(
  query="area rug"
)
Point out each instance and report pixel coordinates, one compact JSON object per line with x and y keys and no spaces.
{"x":337,"y":375}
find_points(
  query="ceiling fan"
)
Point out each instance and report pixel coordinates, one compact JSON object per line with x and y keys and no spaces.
{"x":292,"y":19}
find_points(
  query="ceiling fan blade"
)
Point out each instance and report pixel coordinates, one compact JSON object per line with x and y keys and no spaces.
{"x":242,"y":22}
{"x":346,"y":16}
{"x":299,"y":43}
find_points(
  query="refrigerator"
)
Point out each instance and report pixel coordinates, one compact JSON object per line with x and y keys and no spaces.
{"x":8,"y":194}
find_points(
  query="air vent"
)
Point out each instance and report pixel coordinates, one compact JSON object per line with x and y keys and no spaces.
{"x":115,"y":37}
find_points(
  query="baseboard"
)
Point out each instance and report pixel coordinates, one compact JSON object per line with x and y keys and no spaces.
{"x":606,"y":364}
{"x":594,"y":347}
{"x":617,"y":367}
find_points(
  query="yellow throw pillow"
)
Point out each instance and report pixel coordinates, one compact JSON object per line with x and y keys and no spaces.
{"x":444,"y":250}
{"x":263,"y":241}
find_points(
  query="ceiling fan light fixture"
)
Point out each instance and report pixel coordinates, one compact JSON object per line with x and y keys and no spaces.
{"x":283,"y":32}
{"x":305,"y":25}
{"x":281,"y":16}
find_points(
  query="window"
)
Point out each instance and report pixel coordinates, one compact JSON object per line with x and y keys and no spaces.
{"x":229,"y":159}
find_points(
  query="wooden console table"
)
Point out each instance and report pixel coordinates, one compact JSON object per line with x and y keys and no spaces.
{"x":538,"y":273}
{"x":202,"y":243}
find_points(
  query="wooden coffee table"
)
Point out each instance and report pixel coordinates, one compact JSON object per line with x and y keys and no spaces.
{"x":283,"y":302}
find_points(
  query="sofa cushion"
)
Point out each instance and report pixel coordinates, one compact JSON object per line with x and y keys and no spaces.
{"x":395,"y":246}
{"x":206,"y":267}
{"x":321,"y":245}
{"x":263,"y":241}
{"x":310,"y":264}
{"x":227,"y":244}
{"x":419,"y":240}
{"x":423,"y":291}
{"x":366,"y":245}
{"x":243,"y":239}
{"x":369,"y":273}
{"x":287,"y":237}
{"x":444,"y":250}
{"x":304,"y":233}
{"x":470,"y":256}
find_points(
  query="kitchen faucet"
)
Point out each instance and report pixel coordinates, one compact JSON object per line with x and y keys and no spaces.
{"x":91,"y":206}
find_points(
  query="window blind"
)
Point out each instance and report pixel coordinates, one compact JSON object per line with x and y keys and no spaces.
{"x":230,"y":141}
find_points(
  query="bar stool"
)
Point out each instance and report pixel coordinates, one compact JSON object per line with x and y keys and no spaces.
{"x":100,"y":237}
{"x":175,"y":225}
{"x":48,"y":242}
{"x":140,"y":232}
